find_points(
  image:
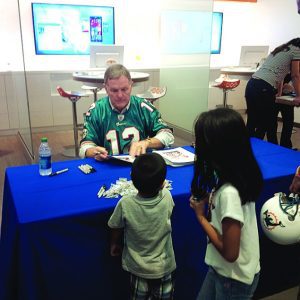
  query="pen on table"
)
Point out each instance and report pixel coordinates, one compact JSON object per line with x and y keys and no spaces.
{"x":59,"y":172}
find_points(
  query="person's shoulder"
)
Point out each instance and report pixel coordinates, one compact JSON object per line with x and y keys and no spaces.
{"x":167,"y":195}
{"x":97,"y":108}
{"x":295,"y":50}
{"x":140,"y":100}
{"x":228,"y":188}
{"x":135,"y":98}
{"x":166,"y":192}
{"x":102,"y":101}
{"x":128,"y":200}
{"x":142,"y":104}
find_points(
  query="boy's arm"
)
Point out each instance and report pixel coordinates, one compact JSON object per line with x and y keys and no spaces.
{"x":116,"y":241}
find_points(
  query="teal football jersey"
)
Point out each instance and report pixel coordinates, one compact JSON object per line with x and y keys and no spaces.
{"x":115,"y":131}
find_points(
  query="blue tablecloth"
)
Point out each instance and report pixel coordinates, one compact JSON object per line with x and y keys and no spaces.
{"x":55,"y":240}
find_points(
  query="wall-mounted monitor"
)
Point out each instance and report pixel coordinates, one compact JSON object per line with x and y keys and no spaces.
{"x":191,"y":32}
{"x":70,"y":29}
{"x":216,"y":33}
{"x":251,"y":56}
{"x":101,"y":56}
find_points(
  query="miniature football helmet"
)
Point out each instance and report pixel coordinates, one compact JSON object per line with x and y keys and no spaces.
{"x":280,"y":219}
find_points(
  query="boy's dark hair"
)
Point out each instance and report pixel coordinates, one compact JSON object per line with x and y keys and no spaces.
{"x":148,"y":173}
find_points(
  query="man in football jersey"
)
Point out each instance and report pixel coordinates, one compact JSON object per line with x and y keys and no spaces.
{"x":122,"y":123}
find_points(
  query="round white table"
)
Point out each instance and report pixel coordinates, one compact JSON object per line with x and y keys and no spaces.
{"x":242,"y":71}
{"x":97,"y":77}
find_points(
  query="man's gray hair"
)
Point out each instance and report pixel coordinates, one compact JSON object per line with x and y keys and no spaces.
{"x":116,"y":71}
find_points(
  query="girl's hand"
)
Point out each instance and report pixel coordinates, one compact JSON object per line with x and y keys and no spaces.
{"x":198,"y":206}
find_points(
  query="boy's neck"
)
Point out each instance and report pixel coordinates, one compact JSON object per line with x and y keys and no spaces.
{"x":152,"y":195}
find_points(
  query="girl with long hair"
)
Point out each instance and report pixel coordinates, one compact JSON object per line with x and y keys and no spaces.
{"x":227,"y":176}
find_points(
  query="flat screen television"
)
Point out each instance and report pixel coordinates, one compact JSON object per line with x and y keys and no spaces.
{"x":70,"y":29}
{"x":216,"y":33}
{"x":191,"y":32}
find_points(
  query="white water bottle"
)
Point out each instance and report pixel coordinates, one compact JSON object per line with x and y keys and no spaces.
{"x":45,"y":167}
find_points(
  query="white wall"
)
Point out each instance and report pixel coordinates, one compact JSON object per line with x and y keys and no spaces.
{"x":267,"y":22}
{"x":136,"y":26}
{"x":9,"y":32}
{"x":270,"y":22}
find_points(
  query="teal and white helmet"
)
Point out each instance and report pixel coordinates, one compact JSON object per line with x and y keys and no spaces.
{"x":280,"y":219}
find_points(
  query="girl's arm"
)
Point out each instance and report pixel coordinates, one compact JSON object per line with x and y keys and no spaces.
{"x":279,"y":89}
{"x":227,"y":244}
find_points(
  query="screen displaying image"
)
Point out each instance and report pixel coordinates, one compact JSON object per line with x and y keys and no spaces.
{"x":216,"y":34}
{"x":70,"y":29}
{"x":191,"y":32}
{"x":96,"y":29}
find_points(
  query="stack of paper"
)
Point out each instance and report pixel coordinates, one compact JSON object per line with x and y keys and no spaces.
{"x":177,"y":157}
{"x":123,"y":158}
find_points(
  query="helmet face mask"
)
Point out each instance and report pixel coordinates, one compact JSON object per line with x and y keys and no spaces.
{"x":289,"y":205}
{"x":280,"y":219}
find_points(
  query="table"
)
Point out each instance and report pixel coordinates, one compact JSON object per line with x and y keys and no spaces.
{"x":97,"y":77}
{"x":243,"y":71}
{"x":55,"y":239}
{"x":285,"y":99}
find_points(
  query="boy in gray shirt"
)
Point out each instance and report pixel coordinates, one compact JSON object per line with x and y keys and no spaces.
{"x":145,"y":219}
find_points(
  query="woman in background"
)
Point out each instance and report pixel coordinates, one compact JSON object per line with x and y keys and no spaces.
{"x":262,"y":88}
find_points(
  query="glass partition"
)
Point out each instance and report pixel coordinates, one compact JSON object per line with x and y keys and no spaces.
{"x":16,"y":81}
{"x":174,"y":37}
{"x":185,"y":59}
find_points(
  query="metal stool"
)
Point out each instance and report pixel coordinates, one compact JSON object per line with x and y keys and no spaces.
{"x":73,"y":97}
{"x":153,"y":93}
{"x":93,"y":89}
{"x":227,"y":85}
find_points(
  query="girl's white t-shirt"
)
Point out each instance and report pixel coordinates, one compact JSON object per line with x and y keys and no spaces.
{"x":226,"y":202}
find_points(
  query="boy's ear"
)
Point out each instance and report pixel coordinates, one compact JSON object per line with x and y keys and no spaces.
{"x":163,"y":184}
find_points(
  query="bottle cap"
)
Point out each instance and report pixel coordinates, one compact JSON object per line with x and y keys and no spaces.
{"x":44,"y":139}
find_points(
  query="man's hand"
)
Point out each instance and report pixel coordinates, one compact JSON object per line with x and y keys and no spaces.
{"x":99,"y":153}
{"x":138,"y":148}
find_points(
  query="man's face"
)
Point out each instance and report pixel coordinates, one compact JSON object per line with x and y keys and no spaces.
{"x":119,"y":91}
